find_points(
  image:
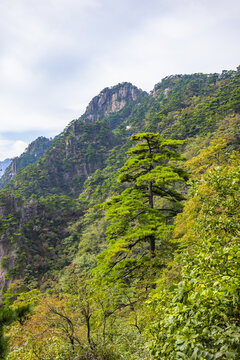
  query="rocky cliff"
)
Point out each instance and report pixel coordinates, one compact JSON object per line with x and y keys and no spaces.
{"x":111,"y":100}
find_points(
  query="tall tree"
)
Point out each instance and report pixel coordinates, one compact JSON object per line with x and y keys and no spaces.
{"x":142,"y":213}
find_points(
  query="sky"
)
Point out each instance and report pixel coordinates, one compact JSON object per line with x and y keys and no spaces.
{"x":56,"y":55}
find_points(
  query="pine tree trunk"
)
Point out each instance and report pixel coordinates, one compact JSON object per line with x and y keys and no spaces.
{"x":151,"y":237}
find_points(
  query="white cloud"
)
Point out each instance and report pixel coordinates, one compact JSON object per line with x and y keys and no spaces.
{"x":10,"y":149}
{"x":191,"y":38}
{"x":18,"y":147}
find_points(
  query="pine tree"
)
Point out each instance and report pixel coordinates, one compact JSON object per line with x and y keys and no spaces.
{"x":142,"y":214}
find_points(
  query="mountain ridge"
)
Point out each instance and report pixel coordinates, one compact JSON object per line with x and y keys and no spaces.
{"x":81,"y":164}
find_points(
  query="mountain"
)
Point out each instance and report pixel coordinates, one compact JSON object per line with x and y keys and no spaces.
{"x":32,"y":153}
{"x":47,"y":199}
{"x":3,"y":166}
{"x":97,"y":295}
{"x":111,"y":100}
{"x":55,"y":178}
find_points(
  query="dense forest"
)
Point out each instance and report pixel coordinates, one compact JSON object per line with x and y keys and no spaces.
{"x":119,"y":238}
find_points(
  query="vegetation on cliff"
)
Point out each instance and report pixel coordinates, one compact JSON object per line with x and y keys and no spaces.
{"x":157,"y":277}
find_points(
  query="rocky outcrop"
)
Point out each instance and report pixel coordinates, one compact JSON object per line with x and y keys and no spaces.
{"x":111,"y":100}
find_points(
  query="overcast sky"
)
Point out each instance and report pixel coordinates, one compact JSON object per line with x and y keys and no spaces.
{"x":55,"y":55}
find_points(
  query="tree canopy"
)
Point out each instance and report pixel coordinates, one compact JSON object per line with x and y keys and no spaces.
{"x":197,"y":315}
{"x":142,"y":213}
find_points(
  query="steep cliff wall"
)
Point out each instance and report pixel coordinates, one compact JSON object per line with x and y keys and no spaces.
{"x":111,"y":100}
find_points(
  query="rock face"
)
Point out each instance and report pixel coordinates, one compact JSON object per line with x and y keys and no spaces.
{"x":112,"y":100}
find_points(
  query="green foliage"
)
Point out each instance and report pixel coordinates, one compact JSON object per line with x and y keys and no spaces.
{"x":5,"y":260}
{"x":68,"y":162}
{"x":49,"y":229}
{"x":7,"y":316}
{"x":198,"y":318}
{"x":38,"y":228}
{"x":88,"y":234}
{"x":194,"y":104}
{"x":152,"y":171}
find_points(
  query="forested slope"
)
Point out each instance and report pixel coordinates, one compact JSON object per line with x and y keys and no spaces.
{"x":159,"y":288}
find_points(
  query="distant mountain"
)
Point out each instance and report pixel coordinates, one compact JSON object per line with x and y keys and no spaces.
{"x":3,"y":165}
{"x":33,"y":152}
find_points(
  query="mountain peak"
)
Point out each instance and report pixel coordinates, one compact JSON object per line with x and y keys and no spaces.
{"x":112,"y":99}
